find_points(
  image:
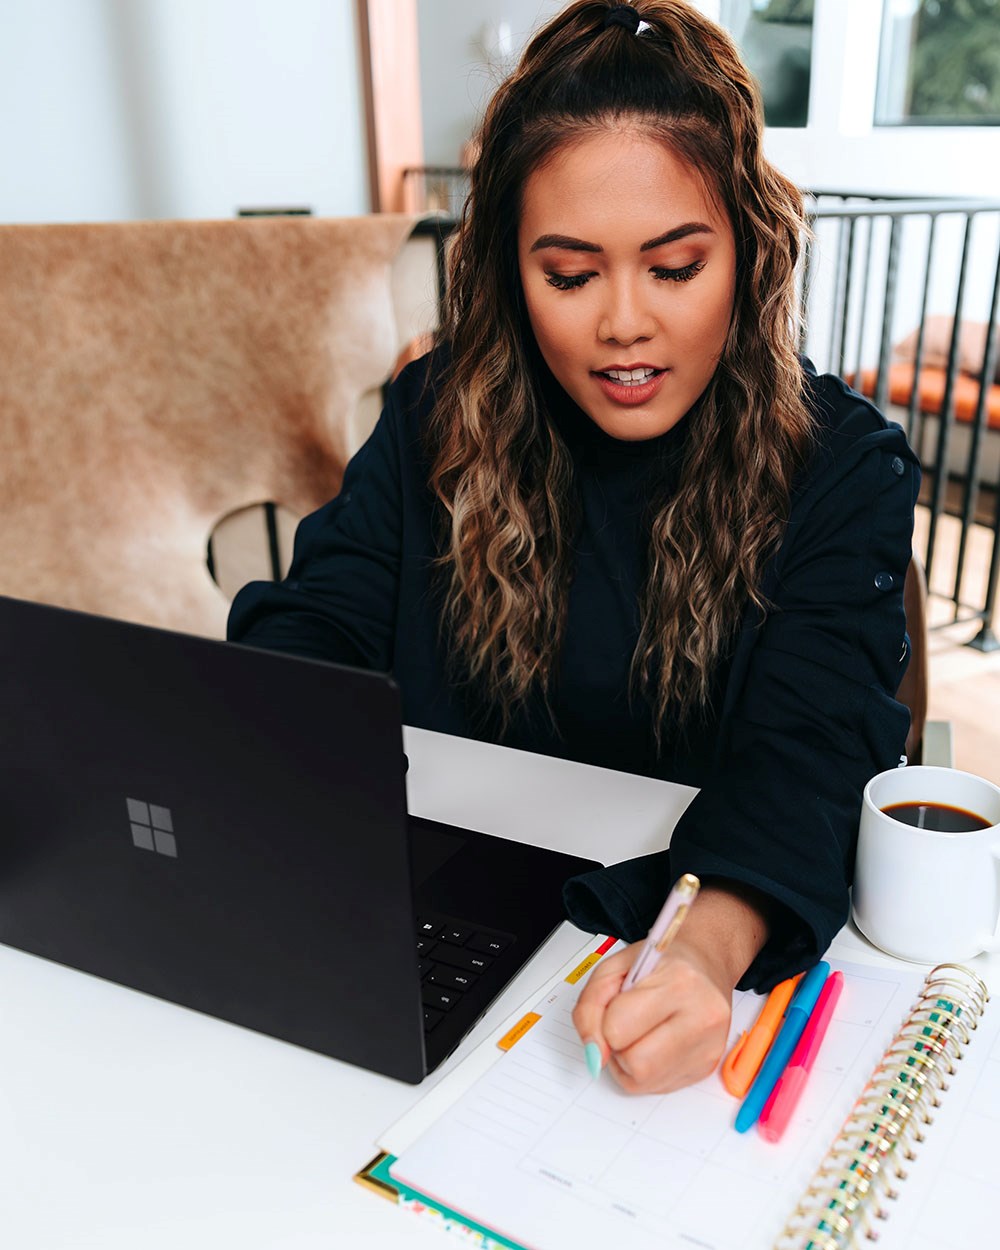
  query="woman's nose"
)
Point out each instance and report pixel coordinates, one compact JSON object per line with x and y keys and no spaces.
{"x":625,"y":317}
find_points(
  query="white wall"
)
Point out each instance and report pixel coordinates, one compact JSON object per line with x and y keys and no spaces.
{"x":112,"y":109}
{"x":456,"y":77}
{"x":457,"y":73}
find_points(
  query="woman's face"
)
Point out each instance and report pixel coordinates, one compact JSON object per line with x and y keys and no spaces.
{"x":628,"y":270}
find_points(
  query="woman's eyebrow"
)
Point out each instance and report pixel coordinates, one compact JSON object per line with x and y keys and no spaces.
{"x":678,"y":232}
{"x":568,"y":244}
{"x":564,"y":242}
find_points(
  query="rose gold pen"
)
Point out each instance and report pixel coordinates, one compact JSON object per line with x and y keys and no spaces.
{"x":663,"y":932}
{"x":664,"y":929}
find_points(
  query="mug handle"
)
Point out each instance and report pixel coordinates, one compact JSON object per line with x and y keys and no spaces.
{"x":992,"y":942}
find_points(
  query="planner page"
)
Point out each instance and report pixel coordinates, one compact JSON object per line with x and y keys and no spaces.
{"x":550,"y":1158}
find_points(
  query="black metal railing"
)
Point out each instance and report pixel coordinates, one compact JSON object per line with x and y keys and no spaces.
{"x":888,"y":261}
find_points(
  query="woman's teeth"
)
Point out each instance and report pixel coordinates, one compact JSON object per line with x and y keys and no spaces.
{"x":630,"y":377}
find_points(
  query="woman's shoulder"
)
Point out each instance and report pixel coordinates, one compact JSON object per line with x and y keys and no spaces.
{"x":848,"y":427}
{"x":838,"y":408}
{"x":413,"y":391}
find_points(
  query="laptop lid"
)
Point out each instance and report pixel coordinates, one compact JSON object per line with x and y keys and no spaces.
{"x":221,"y":827}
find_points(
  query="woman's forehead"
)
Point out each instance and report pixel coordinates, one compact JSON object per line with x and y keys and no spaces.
{"x":618,"y":181}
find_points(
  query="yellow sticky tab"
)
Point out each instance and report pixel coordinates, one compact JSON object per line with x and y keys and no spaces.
{"x":518,"y":1031}
{"x":581,"y":970}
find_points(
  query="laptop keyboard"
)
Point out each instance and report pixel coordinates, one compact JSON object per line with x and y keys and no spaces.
{"x":455,"y":958}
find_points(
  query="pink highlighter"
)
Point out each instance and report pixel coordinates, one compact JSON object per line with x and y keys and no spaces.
{"x":786,"y":1093}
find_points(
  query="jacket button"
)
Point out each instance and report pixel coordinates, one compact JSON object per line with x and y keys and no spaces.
{"x":884,"y":581}
{"x":897,"y":466}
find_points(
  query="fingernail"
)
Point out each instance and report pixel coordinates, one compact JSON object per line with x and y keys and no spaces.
{"x":593,"y":1055}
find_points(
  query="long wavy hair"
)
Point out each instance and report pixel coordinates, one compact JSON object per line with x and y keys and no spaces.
{"x":499,"y":465}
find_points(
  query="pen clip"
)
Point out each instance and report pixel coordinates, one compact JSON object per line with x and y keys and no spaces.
{"x":672,"y":928}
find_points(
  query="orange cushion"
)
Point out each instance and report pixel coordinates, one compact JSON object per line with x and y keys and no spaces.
{"x":938,"y":331}
{"x":932,"y":391}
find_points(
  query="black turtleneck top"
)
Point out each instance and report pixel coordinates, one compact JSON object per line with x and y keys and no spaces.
{"x":802,"y":712}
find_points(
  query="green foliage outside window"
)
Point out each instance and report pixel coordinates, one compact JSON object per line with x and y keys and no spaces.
{"x":954,"y":66}
{"x":784,"y":11}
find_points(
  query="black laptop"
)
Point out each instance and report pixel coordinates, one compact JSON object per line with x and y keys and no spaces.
{"x":226,"y":828}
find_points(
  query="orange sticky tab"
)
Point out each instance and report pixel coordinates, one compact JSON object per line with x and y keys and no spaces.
{"x":512,"y":1037}
{"x":581,"y":970}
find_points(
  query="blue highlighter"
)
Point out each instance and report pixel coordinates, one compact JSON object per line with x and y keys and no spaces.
{"x":796,"y":1019}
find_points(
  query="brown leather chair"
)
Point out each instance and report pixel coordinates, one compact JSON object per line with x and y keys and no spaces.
{"x":158,"y":376}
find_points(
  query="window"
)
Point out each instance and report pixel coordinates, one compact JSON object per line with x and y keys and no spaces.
{"x":939,"y":63}
{"x":775,"y":37}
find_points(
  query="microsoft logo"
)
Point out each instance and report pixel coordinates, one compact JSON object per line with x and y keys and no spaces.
{"x":152,"y":827}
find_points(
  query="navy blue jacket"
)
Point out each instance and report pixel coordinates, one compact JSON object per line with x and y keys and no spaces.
{"x":802,"y":712}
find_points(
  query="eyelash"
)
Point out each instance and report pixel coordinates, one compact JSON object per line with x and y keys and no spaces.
{"x":679,"y":275}
{"x":573,"y":282}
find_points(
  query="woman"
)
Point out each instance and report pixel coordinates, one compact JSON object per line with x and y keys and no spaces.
{"x":614,"y":517}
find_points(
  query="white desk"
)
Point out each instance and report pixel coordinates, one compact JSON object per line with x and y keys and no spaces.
{"x":129,"y":1124}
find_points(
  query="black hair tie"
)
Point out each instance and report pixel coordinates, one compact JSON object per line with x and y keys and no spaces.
{"x":623,"y":15}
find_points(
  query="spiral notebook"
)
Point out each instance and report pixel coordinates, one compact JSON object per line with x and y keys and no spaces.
{"x":895,"y":1134}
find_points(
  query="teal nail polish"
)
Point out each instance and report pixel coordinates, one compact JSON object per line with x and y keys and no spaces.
{"x":593,"y":1055}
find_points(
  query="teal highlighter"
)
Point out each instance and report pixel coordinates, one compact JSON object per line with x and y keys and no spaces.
{"x":796,"y":1019}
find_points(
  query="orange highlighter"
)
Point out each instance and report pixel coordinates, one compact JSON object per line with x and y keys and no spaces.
{"x":744,"y":1060}
{"x":786,"y":1093}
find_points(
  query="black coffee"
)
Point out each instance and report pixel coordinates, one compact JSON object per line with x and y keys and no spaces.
{"x":938,"y":817}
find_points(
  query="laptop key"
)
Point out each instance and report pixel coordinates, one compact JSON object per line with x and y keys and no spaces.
{"x":487,"y":943}
{"x":428,"y":928}
{"x":452,"y":978}
{"x":425,"y":967}
{"x":457,"y":934}
{"x":442,"y":999}
{"x":432,"y":1018}
{"x":456,"y":957}
{"x":425,"y":947}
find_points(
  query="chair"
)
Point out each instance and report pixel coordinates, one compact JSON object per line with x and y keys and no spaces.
{"x":929,"y":741}
{"x":159,"y":376}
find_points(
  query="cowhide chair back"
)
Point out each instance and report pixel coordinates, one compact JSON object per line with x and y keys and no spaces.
{"x":158,"y":376}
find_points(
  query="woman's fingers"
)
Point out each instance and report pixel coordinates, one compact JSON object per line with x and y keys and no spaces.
{"x":666,"y":1032}
{"x":603,"y":986}
{"x":673,"y":1054}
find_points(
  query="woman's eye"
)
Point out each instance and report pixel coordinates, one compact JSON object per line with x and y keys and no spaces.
{"x":567,"y":282}
{"x":679,"y":275}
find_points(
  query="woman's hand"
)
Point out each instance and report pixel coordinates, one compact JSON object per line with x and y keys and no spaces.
{"x":670,"y":1029}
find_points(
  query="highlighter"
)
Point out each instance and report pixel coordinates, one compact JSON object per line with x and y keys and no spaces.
{"x":786,"y":1094}
{"x":796,"y":1019}
{"x":743,"y":1061}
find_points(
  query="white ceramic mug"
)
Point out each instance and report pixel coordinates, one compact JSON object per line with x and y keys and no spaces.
{"x":923,"y":895}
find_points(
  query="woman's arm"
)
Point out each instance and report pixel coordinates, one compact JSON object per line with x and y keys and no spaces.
{"x":812,"y":716}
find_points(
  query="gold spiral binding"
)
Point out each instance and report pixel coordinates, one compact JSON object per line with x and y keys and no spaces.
{"x":977,"y":986}
{"x":939,"y":1020}
{"x":856,"y":1180}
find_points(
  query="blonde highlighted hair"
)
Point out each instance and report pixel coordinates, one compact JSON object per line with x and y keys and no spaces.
{"x":500,"y":469}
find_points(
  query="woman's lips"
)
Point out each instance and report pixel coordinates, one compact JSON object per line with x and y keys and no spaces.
{"x":630,"y":395}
